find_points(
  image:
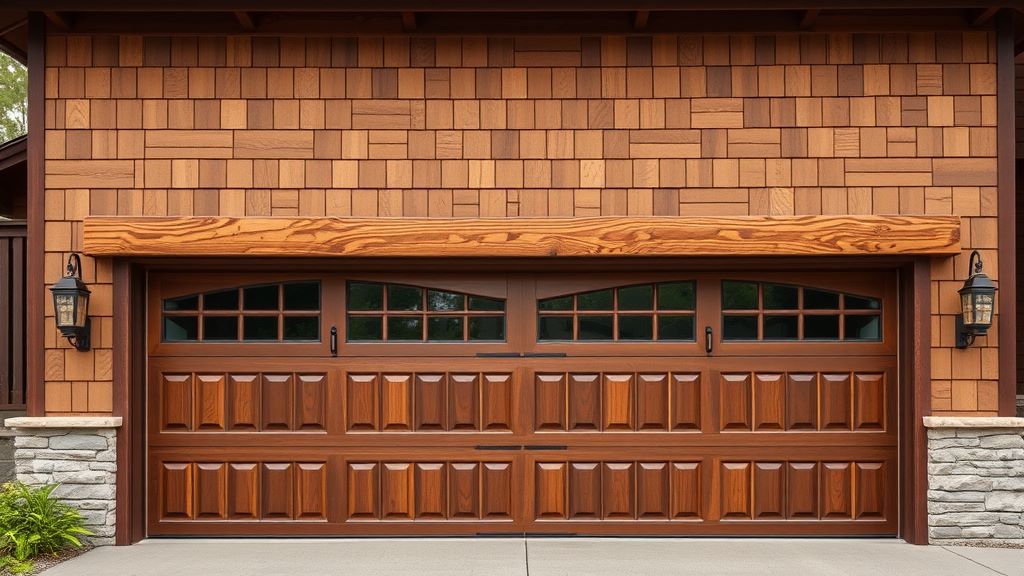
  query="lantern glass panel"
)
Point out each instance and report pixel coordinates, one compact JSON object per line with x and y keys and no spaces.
{"x":64,"y":305}
{"x":82,"y":309}
{"x":983,"y":308}
{"x":967,"y":307}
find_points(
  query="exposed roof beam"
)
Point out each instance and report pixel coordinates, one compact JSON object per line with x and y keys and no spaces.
{"x":13,"y":27}
{"x":247,"y":20}
{"x":640,"y":19}
{"x":808,"y":19}
{"x":58,"y":19}
{"x":984,"y":16}
{"x":14,"y":51}
{"x":408,"y":21}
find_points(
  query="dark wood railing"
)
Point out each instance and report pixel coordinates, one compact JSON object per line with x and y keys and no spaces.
{"x":12,"y":314}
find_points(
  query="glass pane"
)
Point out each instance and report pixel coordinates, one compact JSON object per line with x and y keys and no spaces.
{"x":560,"y":303}
{"x":554,"y":328}
{"x":221,"y":328}
{"x":365,"y":296}
{"x":858,"y":303}
{"x":821,"y":327}
{"x":636,"y":297}
{"x":260,"y":298}
{"x":488,"y":304}
{"x":404,"y":298}
{"x":675,"y":327}
{"x":595,"y":328}
{"x":259,"y":327}
{"x":444,"y":328}
{"x":780,"y":327}
{"x":675,"y":296}
{"x":487,"y":328}
{"x":444,"y":301}
{"x":600,"y":300}
{"x":182,"y":303}
{"x":739,"y":295}
{"x":636,"y":327}
{"x":779,"y":297}
{"x":226,"y":300}
{"x":820,"y":300}
{"x":302,"y":296}
{"x":862,"y":328}
{"x":363,"y":328}
{"x":405,"y":328}
{"x":181,"y":328}
{"x":301,"y":327}
{"x":739,"y":328}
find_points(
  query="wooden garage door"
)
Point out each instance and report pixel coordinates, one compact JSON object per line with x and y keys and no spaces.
{"x":328,"y":403}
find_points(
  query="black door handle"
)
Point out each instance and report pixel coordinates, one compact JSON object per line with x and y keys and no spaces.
{"x":334,"y":340}
{"x":708,"y":340}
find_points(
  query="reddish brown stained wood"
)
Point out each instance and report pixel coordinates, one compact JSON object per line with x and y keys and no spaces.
{"x":533,"y":237}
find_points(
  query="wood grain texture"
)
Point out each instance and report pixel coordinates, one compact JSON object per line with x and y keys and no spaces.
{"x":527,"y":237}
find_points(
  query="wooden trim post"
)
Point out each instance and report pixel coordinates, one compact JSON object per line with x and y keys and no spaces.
{"x":1007,"y":238}
{"x":35,"y":282}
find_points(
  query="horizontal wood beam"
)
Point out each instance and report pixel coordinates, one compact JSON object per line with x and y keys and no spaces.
{"x":523,"y":237}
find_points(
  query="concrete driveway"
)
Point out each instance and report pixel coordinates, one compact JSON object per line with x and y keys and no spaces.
{"x":540,"y":557}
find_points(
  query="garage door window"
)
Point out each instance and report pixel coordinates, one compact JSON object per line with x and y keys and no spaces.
{"x":639,"y":312}
{"x":382,"y":312}
{"x":766,"y":311}
{"x":288,"y":312}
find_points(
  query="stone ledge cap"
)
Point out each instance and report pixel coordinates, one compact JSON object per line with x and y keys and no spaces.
{"x":972,"y":422}
{"x":64,"y":422}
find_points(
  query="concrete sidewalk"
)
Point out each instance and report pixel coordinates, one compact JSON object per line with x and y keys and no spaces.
{"x":540,"y":557}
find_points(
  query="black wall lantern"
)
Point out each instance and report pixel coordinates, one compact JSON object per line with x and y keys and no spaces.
{"x":977,"y":300}
{"x":71,"y":305}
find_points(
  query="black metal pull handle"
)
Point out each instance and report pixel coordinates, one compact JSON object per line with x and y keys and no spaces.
{"x":334,"y":340}
{"x":708,"y":340}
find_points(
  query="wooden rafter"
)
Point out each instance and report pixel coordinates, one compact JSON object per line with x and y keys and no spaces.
{"x":408,"y":21}
{"x":809,"y":17}
{"x":523,"y":237}
{"x":61,"y":20}
{"x":984,"y":16}
{"x":640,"y":19}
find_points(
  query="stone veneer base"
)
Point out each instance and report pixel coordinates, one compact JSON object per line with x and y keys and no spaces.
{"x":975,"y":480}
{"x":80,"y":454}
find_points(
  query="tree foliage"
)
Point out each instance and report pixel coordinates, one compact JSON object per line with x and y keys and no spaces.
{"x":13,"y":98}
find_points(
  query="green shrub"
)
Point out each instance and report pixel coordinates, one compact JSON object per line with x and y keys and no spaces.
{"x":32,"y":522}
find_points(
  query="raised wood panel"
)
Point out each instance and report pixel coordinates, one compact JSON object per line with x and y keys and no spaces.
{"x":276,"y":481}
{"x":464,"y":401}
{"x":769,"y":401}
{"x":652,"y":401}
{"x":769,"y":490}
{"x":734,"y":394}
{"x":396,"y":485}
{"x":243,"y":402}
{"x":311,"y":393}
{"x":584,"y":490}
{"x":176,"y":402}
{"x":835,"y":402}
{"x":550,"y":489}
{"x":618,"y":485}
{"x":363,"y":502}
{"x":497,"y":402}
{"x":496,"y":502}
{"x":243,"y":490}
{"x":549,"y":398}
{"x":617,"y":402}
{"x":362,"y":412}
{"x":211,"y":491}
{"x":584,"y":402}
{"x":430,"y":490}
{"x":686,"y":401}
{"x":802,"y":490}
{"x":524,"y":237}
{"x":209,"y":410}
{"x":870,"y":482}
{"x":431,"y":407}
{"x":836,"y":483}
{"x":869,"y":401}
{"x":176,"y":491}
{"x":653,"y":490}
{"x":310,"y":491}
{"x":277,"y":394}
{"x":734,"y":490}
{"x":396,"y":402}
{"x":464,"y":491}
{"x":801,"y":401}
{"x":686,"y":485}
